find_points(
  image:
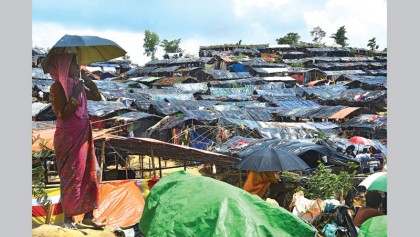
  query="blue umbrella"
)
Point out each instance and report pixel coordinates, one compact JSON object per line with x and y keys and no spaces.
{"x":88,"y":49}
{"x":271,"y":159}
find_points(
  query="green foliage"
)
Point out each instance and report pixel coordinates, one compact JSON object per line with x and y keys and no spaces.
{"x":324,"y":184}
{"x":171,"y":46}
{"x":291,"y":38}
{"x":372,"y":44}
{"x":38,"y":173}
{"x":298,"y":64}
{"x":340,"y":36}
{"x":318,"y":34}
{"x":151,"y":41}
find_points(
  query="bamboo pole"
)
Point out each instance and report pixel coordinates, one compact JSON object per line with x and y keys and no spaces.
{"x":102,"y":160}
{"x":153,"y":163}
{"x":160,"y":167}
{"x":142,"y":166}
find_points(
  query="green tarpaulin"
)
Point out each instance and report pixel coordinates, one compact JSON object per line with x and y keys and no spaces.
{"x":183,"y":204}
{"x":374,"y":227}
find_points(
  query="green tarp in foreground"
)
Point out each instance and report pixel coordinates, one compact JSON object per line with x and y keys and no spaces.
{"x":183,"y":204}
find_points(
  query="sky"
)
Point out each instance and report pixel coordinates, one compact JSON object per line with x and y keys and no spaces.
{"x":207,"y":22}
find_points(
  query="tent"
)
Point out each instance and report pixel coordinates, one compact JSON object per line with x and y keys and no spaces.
{"x":183,"y":204}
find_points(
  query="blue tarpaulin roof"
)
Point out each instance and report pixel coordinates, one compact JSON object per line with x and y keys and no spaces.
{"x":222,"y":74}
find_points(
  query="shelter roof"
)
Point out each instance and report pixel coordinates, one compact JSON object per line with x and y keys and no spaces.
{"x":148,"y":146}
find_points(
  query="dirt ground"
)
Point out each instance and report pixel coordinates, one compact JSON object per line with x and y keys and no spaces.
{"x":57,"y":231}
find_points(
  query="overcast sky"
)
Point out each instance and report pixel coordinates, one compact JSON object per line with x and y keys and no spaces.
{"x":206,"y":22}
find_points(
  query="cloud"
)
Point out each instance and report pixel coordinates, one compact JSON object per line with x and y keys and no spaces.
{"x":362,"y":19}
{"x":243,"y":8}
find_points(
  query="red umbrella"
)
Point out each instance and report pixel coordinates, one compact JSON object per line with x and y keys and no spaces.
{"x":360,"y":140}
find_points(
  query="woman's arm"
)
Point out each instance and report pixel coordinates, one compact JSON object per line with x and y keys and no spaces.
{"x":93,"y":92}
{"x":61,"y":107}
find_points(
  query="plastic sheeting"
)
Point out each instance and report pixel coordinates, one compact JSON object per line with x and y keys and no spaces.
{"x":199,"y":141}
{"x":260,"y":114}
{"x":104,"y":108}
{"x":120,"y":203}
{"x":183,"y":204}
{"x":222,"y":74}
{"x":231,"y":91}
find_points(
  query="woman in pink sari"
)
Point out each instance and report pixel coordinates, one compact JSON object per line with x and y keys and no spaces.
{"x":73,"y":144}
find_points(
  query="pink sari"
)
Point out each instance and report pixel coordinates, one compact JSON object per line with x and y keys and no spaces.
{"x":73,"y":145}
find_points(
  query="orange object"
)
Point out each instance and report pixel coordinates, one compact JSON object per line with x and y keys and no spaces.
{"x":258,"y":182}
{"x":120,"y":204}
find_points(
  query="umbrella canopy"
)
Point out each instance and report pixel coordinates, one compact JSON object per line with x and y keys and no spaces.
{"x":88,"y":49}
{"x":374,"y":227}
{"x":376,"y":181}
{"x":271,"y":159}
{"x":360,"y":140}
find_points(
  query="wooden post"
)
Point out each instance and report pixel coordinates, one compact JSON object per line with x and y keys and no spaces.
{"x":150,"y":167}
{"x":153,"y":163}
{"x":185,"y":166}
{"x":102,"y":160}
{"x":141,"y":166}
{"x":160,"y":167}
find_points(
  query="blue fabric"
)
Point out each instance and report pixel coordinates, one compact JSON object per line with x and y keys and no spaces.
{"x":199,"y":141}
{"x":237,"y":67}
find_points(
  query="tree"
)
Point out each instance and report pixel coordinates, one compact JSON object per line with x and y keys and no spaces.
{"x":290,"y":38}
{"x":171,"y":46}
{"x":340,"y":36}
{"x":318,"y":34}
{"x":372,"y":44}
{"x":151,"y":41}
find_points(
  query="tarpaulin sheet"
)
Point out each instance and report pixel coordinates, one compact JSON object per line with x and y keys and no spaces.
{"x":260,"y":114}
{"x":120,"y":203}
{"x":222,"y":74}
{"x":104,"y":108}
{"x":183,"y":204}
{"x":199,"y":141}
{"x":201,"y":115}
{"x":42,"y":85}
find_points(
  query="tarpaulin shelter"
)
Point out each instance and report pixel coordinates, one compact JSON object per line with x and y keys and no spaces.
{"x":183,"y":204}
{"x":368,"y":125}
{"x":42,"y":112}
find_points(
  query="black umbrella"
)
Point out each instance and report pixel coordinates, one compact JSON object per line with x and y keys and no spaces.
{"x":88,"y":49}
{"x":271,"y":159}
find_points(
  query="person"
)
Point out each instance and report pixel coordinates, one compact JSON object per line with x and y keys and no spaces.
{"x":77,"y":166}
{"x":373,"y":201}
{"x":259,"y":182}
{"x":363,"y":158}
{"x":350,"y":151}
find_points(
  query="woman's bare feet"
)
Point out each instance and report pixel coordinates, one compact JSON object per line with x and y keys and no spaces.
{"x":93,"y":222}
{"x":68,"y":223}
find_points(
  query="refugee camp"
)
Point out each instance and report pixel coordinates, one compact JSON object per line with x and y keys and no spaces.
{"x":242,"y":139}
